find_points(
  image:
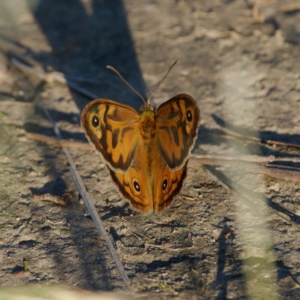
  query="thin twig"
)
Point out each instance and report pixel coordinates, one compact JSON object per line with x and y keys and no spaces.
{"x":248,"y":158}
{"x":52,"y":76}
{"x":89,"y":203}
{"x":40,"y":73}
{"x":147,"y":245}
{"x":24,"y":58}
{"x":161,"y":281}
{"x":186,"y":197}
{"x":58,"y":142}
{"x":61,"y":200}
{"x":208,"y":159}
{"x":243,"y":161}
{"x":276,"y":171}
{"x":256,"y":139}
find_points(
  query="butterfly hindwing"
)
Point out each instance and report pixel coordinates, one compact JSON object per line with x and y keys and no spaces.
{"x":150,"y":192}
{"x":135,"y":184}
{"x":167,"y":185}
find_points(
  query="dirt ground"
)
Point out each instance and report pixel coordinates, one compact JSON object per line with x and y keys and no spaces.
{"x":213,"y":242}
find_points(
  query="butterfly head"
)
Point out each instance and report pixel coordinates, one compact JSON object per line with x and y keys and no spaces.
{"x":147,"y":107}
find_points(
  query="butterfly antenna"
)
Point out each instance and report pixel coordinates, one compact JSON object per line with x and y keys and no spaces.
{"x":148,"y":100}
{"x":128,"y":84}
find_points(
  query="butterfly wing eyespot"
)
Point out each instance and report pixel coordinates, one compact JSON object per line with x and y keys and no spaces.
{"x":112,"y":128}
{"x":95,"y":121}
{"x":177,"y":122}
{"x":189,"y":115}
{"x":136,"y":186}
{"x":164,"y":184}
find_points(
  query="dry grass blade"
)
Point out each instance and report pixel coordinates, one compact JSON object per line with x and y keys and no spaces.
{"x":248,"y":163}
{"x":89,"y":204}
{"x":217,"y":159}
{"x":244,"y":137}
{"x":61,"y":200}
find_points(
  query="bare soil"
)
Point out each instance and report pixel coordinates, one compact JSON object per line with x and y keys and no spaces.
{"x":212,"y":243}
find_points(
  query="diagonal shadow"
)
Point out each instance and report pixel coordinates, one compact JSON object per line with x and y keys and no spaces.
{"x":223,"y":278}
{"x":83,"y":41}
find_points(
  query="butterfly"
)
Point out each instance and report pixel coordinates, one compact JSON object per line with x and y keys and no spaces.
{"x":146,"y":153}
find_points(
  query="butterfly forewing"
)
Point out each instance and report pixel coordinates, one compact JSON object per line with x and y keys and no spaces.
{"x":177,"y":122}
{"x":112,"y":128}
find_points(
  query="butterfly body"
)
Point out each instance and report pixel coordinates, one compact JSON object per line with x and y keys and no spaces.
{"x":147,"y":152}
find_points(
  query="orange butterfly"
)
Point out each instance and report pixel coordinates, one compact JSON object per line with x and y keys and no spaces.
{"x":146,"y":153}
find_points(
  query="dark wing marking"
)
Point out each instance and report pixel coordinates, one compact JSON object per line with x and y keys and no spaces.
{"x":177,"y":122}
{"x":117,"y":129}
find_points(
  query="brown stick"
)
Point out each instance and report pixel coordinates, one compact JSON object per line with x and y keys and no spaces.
{"x":276,"y":171}
{"x":59,"y":143}
{"x":257,"y":140}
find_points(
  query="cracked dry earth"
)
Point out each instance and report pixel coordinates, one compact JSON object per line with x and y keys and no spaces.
{"x":212,"y":243}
